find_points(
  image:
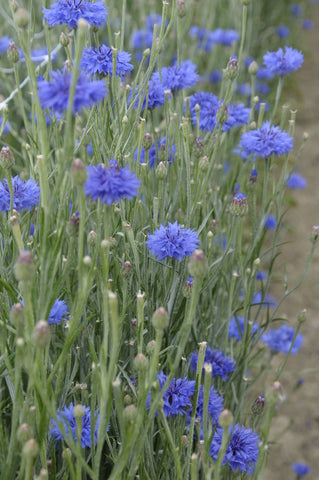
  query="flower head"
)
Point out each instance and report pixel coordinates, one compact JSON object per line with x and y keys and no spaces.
{"x":25,"y":194}
{"x":215,"y":406}
{"x":296,"y":181}
{"x":221,"y":364}
{"x":172,"y":241}
{"x":300,"y":469}
{"x":280,"y":340}
{"x":237,"y":327}
{"x":70,"y":11}
{"x":4,"y":44}
{"x":178,"y":77}
{"x":111,"y":184}
{"x":282,"y":31}
{"x":271,"y":222}
{"x":266,"y":140}
{"x":242,"y":451}
{"x":283,"y":62}
{"x":178,"y":397}
{"x":55,"y":94}
{"x":153,"y":153}
{"x":67,"y":418}
{"x":57,"y":312}
{"x":100,"y":60}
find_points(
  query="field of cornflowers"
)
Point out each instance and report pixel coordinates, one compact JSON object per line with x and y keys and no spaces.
{"x":145,"y":159}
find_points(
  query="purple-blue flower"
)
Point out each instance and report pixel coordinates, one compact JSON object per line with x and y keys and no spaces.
{"x":266,"y":140}
{"x":270,"y":222}
{"x":267,"y":301}
{"x":57,"y":312}
{"x":296,"y":181}
{"x":300,"y":469}
{"x":66,"y":417}
{"x":215,"y":407}
{"x":242,"y":450}
{"x":307,"y":24}
{"x":280,"y":340}
{"x":70,"y":11}
{"x":156,"y":95}
{"x":153,"y":153}
{"x":237,"y":326}
{"x":221,"y":364}
{"x":177,"y":77}
{"x":100,"y":60}
{"x":296,"y":9}
{"x":4,"y":44}
{"x":282,"y":31}
{"x":283,"y":62}
{"x":111,"y":184}
{"x":55,"y":94}
{"x":261,"y":275}
{"x":5,"y":128}
{"x":25,"y":194}
{"x":178,"y":397}
{"x":172,"y":241}
{"x":142,"y":39}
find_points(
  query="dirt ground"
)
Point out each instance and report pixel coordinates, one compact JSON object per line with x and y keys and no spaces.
{"x":300,"y":443}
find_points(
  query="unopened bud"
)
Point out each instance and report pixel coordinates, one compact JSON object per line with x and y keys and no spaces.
{"x":258,"y":405}
{"x":6,"y":158}
{"x":198,"y":265}
{"x":41,"y":334}
{"x":30,"y":449}
{"x":78,"y":411}
{"x":187,"y":290}
{"x":203,"y":164}
{"x":24,"y":433}
{"x":231,"y":71}
{"x":198,"y":148}
{"x":160,"y":319}
{"x":127,"y":269}
{"x":74,"y":224}
{"x":161,"y":171}
{"x":302,"y":316}
{"x":225,"y":418}
{"x":22,"y":17}
{"x":253,"y":68}
{"x":147,"y":141}
{"x":64,"y":40}
{"x":24,"y":267}
{"x":130,"y":413}
{"x":239,"y":205}
{"x":79,"y":172}
{"x":17,"y":315}
{"x":13,"y":52}
{"x":141,"y":362}
{"x":314,"y":233}
{"x":92,"y":238}
{"x":181,"y":8}
{"x":150,"y":347}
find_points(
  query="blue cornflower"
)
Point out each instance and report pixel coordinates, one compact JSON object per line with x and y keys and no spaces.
{"x":153,"y":153}
{"x":215,"y":407}
{"x":25,"y":194}
{"x":100,"y":60}
{"x":156,"y":95}
{"x":223,"y":37}
{"x":296,"y":181}
{"x":142,"y":39}
{"x":39,"y":55}
{"x":237,"y":326}
{"x":57,"y":312}
{"x":282,"y":31}
{"x":172,"y":241}
{"x":66,"y":416}
{"x":261,"y":275}
{"x":176,"y":77}
{"x":209,"y":105}
{"x":270,"y":222}
{"x":221,"y":364}
{"x":153,"y":19}
{"x":265,"y":74}
{"x":280,"y":340}
{"x":296,"y":10}
{"x":242,"y":450}
{"x":267,"y":301}
{"x":70,"y":11}
{"x":238,"y":115}
{"x":307,"y":24}
{"x":282,"y":63}
{"x":300,"y":469}
{"x":216,"y":76}
{"x":4,"y":44}
{"x":266,"y":140}
{"x":262,"y":88}
{"x":111,"y":184}
{"x":178,"y":397}
{"x":55,"y":94}
{"x":6,"y":128}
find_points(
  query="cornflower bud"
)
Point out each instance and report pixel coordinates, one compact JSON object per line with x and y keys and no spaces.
{"x":64,"y":40}
{"x":239,"y":205}
{"x":203,"y":164}
{"x":147,"y":141}
{"x":253,"y":68}
{"x":314,"y":233}
{"x":30,"y":449}
{"x":258,"y":405}
{"x":231,"y":71}
{"x":160,"y":319}
{"x":187,"y":290}
{"x":150,"y":347}
{"x":13,"y":52}
{"x":24,"y":267}
{"x":78,"y":411}
{"x":24,"y":432}
{"x":92,"y":238}
{"x":198,"y":265}
{"x":79,"y":172}
{"x":162,"y":154}
{"x":141,"y":362}
{"x":130,"y":413}
{"x":17,"y":315}
{"x":6,"y":158}
{"x":302,"y":316}
{"x":225,"y":418}
{"x":161,"y":171}
{"x":22,"y":17}
{"x":198,"y":148}
{"x":41,"y":334}
{"x":73,"y":225}
{"x":181,"y":8}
